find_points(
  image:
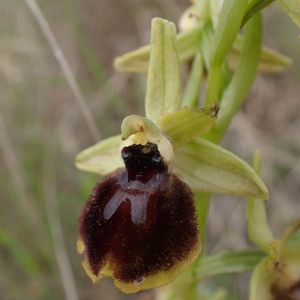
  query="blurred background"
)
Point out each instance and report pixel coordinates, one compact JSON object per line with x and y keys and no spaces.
{"x":42,"y":129}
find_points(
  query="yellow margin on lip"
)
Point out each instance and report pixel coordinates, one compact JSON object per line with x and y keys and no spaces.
{"x":152,"y":281}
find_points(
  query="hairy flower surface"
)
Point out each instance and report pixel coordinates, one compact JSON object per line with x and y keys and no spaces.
{"x":139,"y":225}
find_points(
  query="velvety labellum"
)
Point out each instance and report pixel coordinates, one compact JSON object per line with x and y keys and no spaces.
{"x":139,"y":221}
{"x":291,"y":292}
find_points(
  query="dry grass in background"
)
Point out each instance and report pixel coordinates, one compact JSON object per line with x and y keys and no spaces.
{"x":42,"y":128}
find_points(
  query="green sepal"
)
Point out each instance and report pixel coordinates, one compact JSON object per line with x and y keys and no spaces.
{"x":163,"y":84}
{"x":258,"y":228}
{"x":228,"y":262}
{"x":101,"y":158}
{"x":186,"y":124}
{"x":259,"y":231}
{"x":261,"y":280}
{"x":138,"y":60}
{"x":292,"y":8}
{"x":207,"y":167}
{"x":188,"y":45}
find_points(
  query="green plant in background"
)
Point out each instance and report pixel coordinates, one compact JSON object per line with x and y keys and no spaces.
{"x":223,"y":42}
{"x":276,"y":276}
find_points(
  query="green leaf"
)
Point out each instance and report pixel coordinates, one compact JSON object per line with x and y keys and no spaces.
{"x":242,"y":80}
{"x":228,"y":262}
{"x":228,"y":27}
{"x":261,"y":279}
{"x":138,"y":60}
{"x":207,"y":167}
{"x":23,"y":257}
{"x":101,"y":158}
{"x":134,"y":61}
{"x":186,"y":124}
{"x":163,"y":84}
{"x":292,"y":7}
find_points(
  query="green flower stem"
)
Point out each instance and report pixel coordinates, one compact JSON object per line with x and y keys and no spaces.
{"x":202,"y":201}
{"x":242,"y":79}
{"x":253,"y":7}
{"x":233,"y":98}
{"x":215,"y":6}
{"x":192,"y":90}
{"x":249,"y":58}
{"x":230,"y":21}
{"x":214,"y":85}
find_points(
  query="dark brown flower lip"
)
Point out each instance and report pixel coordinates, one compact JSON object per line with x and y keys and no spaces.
{"x":140,"y":220}
{"x":291,"y":292}
{"x":295,"y":290}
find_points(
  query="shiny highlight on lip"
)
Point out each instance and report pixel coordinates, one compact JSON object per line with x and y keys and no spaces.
{"x":139,"y":221}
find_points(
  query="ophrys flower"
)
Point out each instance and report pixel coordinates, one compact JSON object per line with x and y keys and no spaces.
{"x":140,"y":225}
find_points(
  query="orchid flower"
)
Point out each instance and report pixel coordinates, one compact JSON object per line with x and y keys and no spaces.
{"x":139,"y":225}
